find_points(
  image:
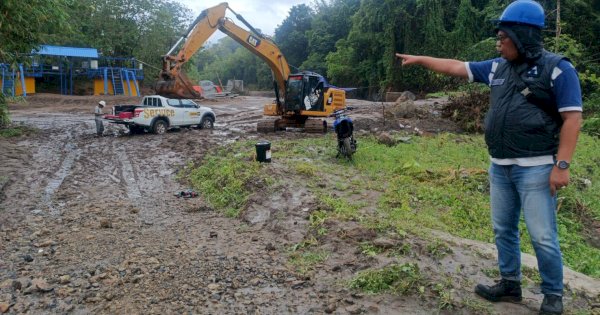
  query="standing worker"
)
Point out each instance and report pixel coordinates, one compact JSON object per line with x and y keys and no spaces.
{"x":98,"y":118}
{"x":531,"y":130}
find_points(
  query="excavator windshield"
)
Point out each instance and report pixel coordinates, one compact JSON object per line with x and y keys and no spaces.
{"x":293,"y":95}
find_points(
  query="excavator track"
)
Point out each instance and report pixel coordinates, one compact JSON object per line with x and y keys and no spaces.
{"x":266,"y":126}
{"x":315,"y":126}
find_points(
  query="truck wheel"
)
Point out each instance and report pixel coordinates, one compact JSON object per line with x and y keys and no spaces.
{"x":347,"y":148}
{"x":207,"y":123}
{"x":160,"y":127}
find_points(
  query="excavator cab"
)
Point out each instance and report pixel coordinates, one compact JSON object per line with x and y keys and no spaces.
{"x":304,"y":92}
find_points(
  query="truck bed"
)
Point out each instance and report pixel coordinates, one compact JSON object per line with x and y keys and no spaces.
{"x":122,"y":114}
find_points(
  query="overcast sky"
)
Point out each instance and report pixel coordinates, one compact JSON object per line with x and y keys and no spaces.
{"x":265,"y":15}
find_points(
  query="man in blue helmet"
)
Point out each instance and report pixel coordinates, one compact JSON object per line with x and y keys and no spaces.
{"x":531,"y":130}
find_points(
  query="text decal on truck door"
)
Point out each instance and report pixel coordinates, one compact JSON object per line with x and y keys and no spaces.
{"x":148,"y":113}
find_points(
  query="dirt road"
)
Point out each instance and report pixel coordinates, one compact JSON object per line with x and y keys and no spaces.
{"x":91,"y":225}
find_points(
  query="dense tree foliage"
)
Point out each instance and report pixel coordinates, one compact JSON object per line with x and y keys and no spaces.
{"x":23,"y":27}
{"x":330,"y":24}
{"x":352,"y":42}
{"x":144,"y":29}
{"x":291,"y":35}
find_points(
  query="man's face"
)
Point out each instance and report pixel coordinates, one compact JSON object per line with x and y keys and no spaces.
{"x":506,"y":47}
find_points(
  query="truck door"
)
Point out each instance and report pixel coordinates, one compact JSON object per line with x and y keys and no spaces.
{"x":191,"y":112}
{"x":179,"y":118}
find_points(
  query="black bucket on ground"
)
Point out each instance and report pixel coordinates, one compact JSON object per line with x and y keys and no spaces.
{"x":263,"y":151}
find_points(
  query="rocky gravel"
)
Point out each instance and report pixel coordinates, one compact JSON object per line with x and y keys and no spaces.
{"x":92,"y":225}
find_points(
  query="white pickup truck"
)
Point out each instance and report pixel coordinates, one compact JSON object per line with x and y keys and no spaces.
{"x":157,"y":114}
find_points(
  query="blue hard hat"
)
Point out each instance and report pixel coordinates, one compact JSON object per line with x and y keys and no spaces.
{"x":526,"y":12}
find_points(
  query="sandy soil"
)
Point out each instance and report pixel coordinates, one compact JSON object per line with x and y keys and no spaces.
{"x":91,"y":225}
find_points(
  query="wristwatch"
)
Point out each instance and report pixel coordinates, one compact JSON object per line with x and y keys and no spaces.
{"x":562,"y":164}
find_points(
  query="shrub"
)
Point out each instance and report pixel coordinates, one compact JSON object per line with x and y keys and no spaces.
{"x":468,"y":109}
{"x":591,"y":105}
{"x":592,"y":126}
{"x":4,"y":115}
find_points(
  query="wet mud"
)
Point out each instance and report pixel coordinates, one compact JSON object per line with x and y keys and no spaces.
{"x":91,"y":225}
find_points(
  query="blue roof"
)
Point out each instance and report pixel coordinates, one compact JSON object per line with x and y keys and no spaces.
{"x":67,"y":51}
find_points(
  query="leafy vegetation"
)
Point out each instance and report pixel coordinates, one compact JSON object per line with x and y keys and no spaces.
{"x":4,"y":113}
{"x":10,"y":132}
{"x":306,"y":260}
{"x":435,"y":182}
{"x":25,"y":25}
{"x":468,"y":109}
{"x":352,"y":42}
{"x":394,"y":278}
{"x":225,"y":182}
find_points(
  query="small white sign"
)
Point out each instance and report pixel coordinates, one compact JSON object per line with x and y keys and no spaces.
{"x":268,"y":154}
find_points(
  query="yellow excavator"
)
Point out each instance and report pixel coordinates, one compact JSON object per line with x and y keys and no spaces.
{"x":302,"y":100}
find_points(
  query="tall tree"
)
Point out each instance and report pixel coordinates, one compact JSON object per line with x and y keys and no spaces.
{"x":23,"y":25}
{"x":291,"y":36}
{"x":332,"y":22}
{"x":144,"y":29}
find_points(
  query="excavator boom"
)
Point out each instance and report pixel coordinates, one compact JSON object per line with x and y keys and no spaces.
{"x":173,"y":83}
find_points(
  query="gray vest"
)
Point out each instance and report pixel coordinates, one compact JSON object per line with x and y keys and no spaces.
{"x":523,"y":119}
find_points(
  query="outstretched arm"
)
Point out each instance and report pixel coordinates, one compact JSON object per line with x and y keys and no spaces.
{"x":451,"y":67}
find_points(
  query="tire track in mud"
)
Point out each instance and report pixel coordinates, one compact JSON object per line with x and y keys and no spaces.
{"x":128,"y":175}
{"x":238,"y":120}
{"x":63,"y":171}
{"x":143,"y":175}
{"x":174,"y":255}
{"x":70,"y":154}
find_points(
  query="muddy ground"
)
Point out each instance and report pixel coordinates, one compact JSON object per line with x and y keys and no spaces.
{"x":92,"y":226}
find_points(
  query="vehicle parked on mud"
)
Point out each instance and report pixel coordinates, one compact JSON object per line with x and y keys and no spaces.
{"x":344,"y":129}
{"x":157,"y":114}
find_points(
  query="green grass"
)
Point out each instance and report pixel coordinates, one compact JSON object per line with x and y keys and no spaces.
{"x":438,"y":249}
{"x":227,"y":179}
{"x":403,"y":279}
{"x":14,"y":132}
{"x":306,"y":260}
{"x":432,"y":182}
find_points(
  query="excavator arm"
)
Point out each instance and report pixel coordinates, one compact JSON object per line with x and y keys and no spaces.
{"x":266,"y":50}
{"x":173,"y":82}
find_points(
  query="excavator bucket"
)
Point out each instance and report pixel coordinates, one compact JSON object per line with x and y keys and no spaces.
{"x":178,"y":86}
